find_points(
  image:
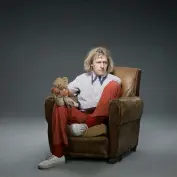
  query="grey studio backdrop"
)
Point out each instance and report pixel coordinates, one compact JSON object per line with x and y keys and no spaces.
{"x":44,"y":40}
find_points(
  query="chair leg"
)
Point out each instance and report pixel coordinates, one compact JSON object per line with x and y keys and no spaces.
{"x":133,"y":149}
{"x":114,"y":160}
{"x":67,"y":158}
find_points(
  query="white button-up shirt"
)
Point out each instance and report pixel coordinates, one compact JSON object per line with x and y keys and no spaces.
{"x":88,"y":87}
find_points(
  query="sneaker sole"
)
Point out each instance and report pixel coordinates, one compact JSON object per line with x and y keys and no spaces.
{"x":50,"y":166}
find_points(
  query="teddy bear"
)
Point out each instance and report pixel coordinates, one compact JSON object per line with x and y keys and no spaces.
{"x":61,"y":94}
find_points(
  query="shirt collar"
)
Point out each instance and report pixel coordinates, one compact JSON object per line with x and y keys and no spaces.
{"x":101,"y":78}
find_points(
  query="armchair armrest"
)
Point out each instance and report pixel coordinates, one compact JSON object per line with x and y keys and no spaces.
{"x":48,"y":107}
{"x":124,"y":111}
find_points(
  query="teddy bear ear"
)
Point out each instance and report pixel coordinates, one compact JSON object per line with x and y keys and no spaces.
{"x":57,"y":81}
{"x":65,"y":79}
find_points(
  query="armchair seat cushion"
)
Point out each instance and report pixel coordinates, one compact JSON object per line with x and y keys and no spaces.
{"x":88,"y":146}
{"x":97,"y":130}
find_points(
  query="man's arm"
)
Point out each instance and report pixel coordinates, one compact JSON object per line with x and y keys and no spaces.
{"x":73,"y":87}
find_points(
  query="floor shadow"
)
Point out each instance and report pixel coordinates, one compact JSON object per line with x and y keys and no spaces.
{"x":86,"y":166}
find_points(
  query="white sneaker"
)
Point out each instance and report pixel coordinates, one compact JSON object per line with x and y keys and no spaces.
{"x":77,"y":129}
{"x":51,"y":162}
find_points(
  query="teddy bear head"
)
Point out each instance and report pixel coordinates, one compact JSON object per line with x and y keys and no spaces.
{"x":61,"y":82}
{"x":59,"y":85}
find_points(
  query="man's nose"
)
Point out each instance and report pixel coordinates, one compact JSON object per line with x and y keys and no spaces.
{"x":102,"y":65}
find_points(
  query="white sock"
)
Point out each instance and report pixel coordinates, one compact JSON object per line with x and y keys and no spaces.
{"x":77,"y":129}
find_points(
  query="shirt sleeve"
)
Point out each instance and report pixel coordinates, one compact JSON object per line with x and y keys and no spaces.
{"x":117,"y":79}
{"x":74,"y":86}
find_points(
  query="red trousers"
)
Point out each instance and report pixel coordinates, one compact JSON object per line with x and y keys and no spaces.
{"x":62,"y":116}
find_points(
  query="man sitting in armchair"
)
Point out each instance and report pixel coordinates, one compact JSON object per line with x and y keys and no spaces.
{"x":94,"y":89}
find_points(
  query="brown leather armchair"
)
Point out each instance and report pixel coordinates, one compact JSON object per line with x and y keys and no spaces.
{"x":122,"y":128}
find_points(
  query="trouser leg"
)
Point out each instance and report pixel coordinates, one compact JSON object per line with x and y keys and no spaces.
{"x":111,"y":91}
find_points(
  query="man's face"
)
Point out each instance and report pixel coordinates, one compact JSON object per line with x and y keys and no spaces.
{"x":100,"y":65}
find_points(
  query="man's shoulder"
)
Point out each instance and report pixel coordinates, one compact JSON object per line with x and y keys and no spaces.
{"x":83,"y":75}
{"x":114,"y":77}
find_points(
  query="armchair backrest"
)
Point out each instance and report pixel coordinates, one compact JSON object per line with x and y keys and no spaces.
{"x":130,"y":80}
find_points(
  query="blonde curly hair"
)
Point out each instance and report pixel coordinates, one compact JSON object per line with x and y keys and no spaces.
{"x":95,"y":52}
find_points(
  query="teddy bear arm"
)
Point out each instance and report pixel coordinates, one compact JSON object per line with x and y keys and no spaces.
{"x":70,"y":100}
{"x":59,"y":101}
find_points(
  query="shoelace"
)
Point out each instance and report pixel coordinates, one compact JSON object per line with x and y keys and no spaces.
{"x":48,"y":157}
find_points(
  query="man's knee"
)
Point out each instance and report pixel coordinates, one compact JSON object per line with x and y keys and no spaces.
{"x":114,"y":85}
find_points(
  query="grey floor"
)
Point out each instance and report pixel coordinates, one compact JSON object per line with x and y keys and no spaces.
{"x":23,"y":144}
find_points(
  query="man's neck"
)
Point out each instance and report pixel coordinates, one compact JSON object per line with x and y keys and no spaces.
{"x":95,"y":75}
{"x":101,"y":78}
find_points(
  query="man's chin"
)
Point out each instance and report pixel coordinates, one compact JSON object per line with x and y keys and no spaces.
{"x":101,"y":73}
